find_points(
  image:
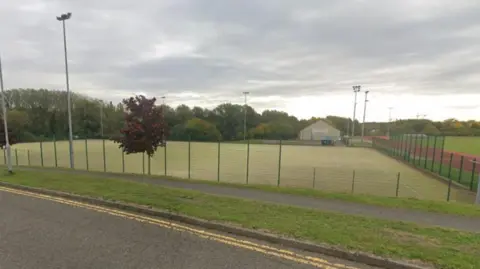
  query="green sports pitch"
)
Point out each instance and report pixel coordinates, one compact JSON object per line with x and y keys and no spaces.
{"x":333,"y":169}
{"x":463,"y":144}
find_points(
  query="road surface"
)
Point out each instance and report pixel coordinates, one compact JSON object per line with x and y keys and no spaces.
{"x":39,"y":231}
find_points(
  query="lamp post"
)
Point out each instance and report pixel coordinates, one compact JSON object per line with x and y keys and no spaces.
{"x":356,"y":90}
{"x":245,"y":117}
{"x":364,"y":114}
{"x":5,"y":123}
{"x":63,"y":18}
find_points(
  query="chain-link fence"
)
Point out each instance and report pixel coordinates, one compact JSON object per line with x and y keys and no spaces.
{"x":276,"y":163}
{"x":428,"y":153}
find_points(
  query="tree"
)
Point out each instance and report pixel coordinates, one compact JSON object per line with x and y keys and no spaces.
{"x":144,"y":129}
{"x":11,"y":137}
{"x":430,"y":129}
{"x":261,"y":131}
{"x":201,"y":130}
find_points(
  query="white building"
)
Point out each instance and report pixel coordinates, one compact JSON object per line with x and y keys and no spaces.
{"x":319,"y":130}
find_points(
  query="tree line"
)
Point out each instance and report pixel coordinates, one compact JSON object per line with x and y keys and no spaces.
{"x":41,"y":114}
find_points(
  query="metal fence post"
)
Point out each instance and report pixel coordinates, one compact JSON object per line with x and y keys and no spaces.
{"x":401,"y":151}
{"x":434,"y":153}
{"x":189,"y":155}
{"x":86,"y":154}
{"x":248,"y":160}
{"x":4,"y":156}
{"x":123,"y":161}
{"x":415,"y":151}
{"x":397,"y":144}
{"x":353,"y":181}
{"x":461,"y":169}
{"x":426,"y":152}
{"x":218,"y":161}
{"x":41,"y":153}
{"x":143,"y":163}
{"x":450,"y":165}
{"x":165,"y":157}
{"x":28,"y":157}
{"x":473,"y":173}
{"x":104,"y":156}
{"x":16,"y":157}
{"x":441,"y":163}
{"x":55,"y":150}
{"x":314,"y":177}
{"x":149,"y":165}
{"x":449,"y":189}
{"x":420,"y":153}
{"x":398,"y":184}
{"x":393,"y":145}
{"x":410,"y":144}
{"x":279,"y":163}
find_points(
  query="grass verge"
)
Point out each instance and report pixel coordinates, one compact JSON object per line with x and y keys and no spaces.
{"x":452,"y":208}
{"x":443,"y":248}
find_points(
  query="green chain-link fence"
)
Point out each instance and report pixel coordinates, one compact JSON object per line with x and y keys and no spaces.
{"x":427,"y":152}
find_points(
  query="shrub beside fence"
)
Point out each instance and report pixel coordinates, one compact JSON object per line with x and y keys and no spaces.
{"x":428,"y":153}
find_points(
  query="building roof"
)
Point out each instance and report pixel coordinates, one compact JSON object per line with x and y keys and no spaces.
{"x":320,"y":121}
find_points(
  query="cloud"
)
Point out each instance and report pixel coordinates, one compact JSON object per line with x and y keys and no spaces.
{"x":284,"y":52}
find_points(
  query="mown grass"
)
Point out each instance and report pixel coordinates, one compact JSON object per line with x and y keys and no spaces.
{"x":463,"y":144}
{"x":443,"y":207}
{"x":443,"y":248}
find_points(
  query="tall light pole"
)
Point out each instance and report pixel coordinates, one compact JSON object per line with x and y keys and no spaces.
{"x":364,"y":114}
{"x":5,"y":123}
{"x":245,"y":117}
{"x":63,"y":18}
{"x":356,"y":90}
{"x":389,"y":121}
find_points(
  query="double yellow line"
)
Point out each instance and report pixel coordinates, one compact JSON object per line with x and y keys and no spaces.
{"x":265,"y":249}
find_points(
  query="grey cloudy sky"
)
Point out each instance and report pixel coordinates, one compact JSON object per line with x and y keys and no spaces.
{"x":301,"y":56}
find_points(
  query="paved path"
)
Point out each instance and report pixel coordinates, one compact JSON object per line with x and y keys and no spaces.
{"x":419,"y":217}
{"x":47,"y":232}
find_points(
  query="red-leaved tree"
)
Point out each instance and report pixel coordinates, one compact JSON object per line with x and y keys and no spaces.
{"x":144,"y":129}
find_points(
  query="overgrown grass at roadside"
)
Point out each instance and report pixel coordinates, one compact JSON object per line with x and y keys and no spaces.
{"x":447,"y":249}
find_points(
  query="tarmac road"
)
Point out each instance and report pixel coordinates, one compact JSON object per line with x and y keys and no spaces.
{"x":46,"y":232}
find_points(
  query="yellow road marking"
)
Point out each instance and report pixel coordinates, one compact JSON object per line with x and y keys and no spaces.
{"x":265,"y":249}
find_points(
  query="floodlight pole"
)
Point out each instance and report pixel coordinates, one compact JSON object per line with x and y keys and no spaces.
{"x":245,"y":117}
{"x":63,"y":18}
{"x":356,"y":89}
{"x":364,"y":114}
{"x":5,"y":123}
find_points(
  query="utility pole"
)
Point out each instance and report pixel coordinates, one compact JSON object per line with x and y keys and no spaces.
{"x":63,"y":18}
{"x":5,"y":123}
{"x":245,"y":117}
{"x":364,"y":113}
{"x":356,"y":89}
{"x":389,"y":121}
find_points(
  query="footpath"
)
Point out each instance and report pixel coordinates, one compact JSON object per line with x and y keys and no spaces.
{"x":471,"y":224}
